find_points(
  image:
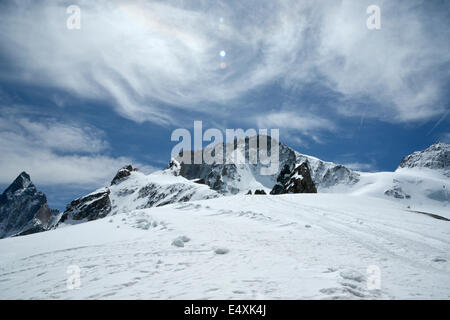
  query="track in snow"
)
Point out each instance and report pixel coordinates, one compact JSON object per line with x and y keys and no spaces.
{"x":279,"y":247}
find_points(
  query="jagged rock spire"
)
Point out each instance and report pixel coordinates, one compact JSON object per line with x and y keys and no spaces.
{"x":296,"y":181}
{"x":123,"y":173}
{"x":23,"y":209}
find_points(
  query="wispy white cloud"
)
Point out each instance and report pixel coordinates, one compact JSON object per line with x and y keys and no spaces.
{"x":56,"y":153}
{"x":394,"y":67}
{"x":360,"y":166}
{"x":301,"y":122}
{"x":153,"y":60}
{"x":50,"y":134}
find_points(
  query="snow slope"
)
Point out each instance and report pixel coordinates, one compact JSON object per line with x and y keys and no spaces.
{"x":420,"y":189}
{"x":156,"y":189}
{"x":302,"y":246}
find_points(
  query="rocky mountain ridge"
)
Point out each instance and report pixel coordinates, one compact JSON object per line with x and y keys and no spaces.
{"x":230,"y":177}
{"x":130,"y":190}
{"x":24,"y":209}
{"x":437,"y":157}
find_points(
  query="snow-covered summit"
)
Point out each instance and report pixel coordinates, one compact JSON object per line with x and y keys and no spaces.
{"x":234,"y":178}
{"x":437,"y":156}
{"x":327,"y":175}
{"x":131,"y":190}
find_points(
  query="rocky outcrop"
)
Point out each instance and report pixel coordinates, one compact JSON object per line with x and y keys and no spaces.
{"x":260,"y":192}
{"x":122,"y":174}
{"x":437,"y":156}
{"x":174,"y":167}
{"x":297,"y":180}
{"x":131,"y":190}
{"x":397,"y":193}
{"x":91,"y":207}
{"x":24,"y":209}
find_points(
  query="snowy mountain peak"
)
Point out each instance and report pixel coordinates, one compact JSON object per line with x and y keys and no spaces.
{"x":131,"y":189}
{"x":22,"y":181}
{"x":437,"y":156}
{"x":232,"y":178}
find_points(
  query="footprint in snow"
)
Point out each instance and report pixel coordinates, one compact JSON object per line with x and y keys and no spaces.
{"x":221,"y":251}
{"x":179,"y":242}
{"x":185,"y":238}
{"x":352,"y":275}
{"x":439,"y":259}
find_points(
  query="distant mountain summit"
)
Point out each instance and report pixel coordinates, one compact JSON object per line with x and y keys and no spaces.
{"x":180,"y":182}
{"x":131,"y":190}
{"x":233,"y":178}
{"x":24,"y":209}
{"x":437,"y":156}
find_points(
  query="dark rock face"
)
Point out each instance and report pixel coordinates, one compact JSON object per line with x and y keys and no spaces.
{"x":200,"y":181}
{"x":260,"y":192}
{"x":174,"y":167}
{"x":296,"y":181}
{"x":210,"y":174}
{"x":282,"y":180}
{"x":396,"y":191}
{"x":97,"y":204}
{"x":91,"y":207}
{"x":122,"y":174}
{"x":24,"y":210}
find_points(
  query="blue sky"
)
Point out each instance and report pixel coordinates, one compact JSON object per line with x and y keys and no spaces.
{"x":78,"y":104}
